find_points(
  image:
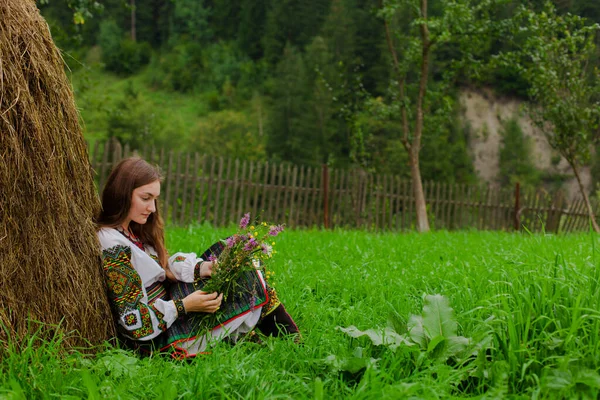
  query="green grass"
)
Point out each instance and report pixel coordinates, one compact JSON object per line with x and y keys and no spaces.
{"x":536,"y":298}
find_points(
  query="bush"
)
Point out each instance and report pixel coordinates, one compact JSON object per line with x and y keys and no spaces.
{"x":121,"y":56}
{"x":178,"y":69}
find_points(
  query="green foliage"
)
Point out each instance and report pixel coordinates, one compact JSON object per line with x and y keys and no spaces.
{"x":289,"y":117}
{"x":516,"y":164}
{"x":190,"y":22}
{"x":229,"y":134}
{"x":555,"y":61}
{"x":122,"y":56}
{"x":432,"y":335}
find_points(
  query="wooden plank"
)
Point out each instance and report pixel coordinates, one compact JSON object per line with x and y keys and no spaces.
{"x":576,"y":206}
{"x":250,"y":188}
{"x":445,"y":205}
{"x":300,"y":196}
{"x":201,"y":179}
{"x":364,"y":207}
{"x":436,"y":206}
{"x":305,"y":216}
{"x":292,"y":201}
{"x":286,"y":192}
{"x":212,"y":180}
{"x":333,"y":181}
{"x":395,"y":204}
{"x":370,"y":206}
{"x":377,"y":202}
{"x":450,"y":206}
{"x":263,"y":201}
{"x":184,"y":194}
{"x":272,"y":195}
{"x":583,"y":219}
{"x":229,"y":195}
{"x":317,"y":198}
{"x":176,"y":181}
{"x":483,"y":193}
{"x":265,"y":172}
{"x":243,"y":188}
{"x":468,"y":205}
{"x":168,"y":186}
{"x":222,"y":190}
{"x":459,"y":203}
{"x":384,"y":202}
{"x":194,"y":189}
{"x":391,"y":203}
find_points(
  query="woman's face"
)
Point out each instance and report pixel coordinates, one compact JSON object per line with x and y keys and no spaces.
{"x":143,"y":202}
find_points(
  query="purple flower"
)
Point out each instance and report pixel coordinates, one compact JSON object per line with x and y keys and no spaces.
{"x":250,"y":245}
{"x":275,"y":230}
{"x":212,"y":258}
{"x":230,"y":241}
{"x":244,"y":221}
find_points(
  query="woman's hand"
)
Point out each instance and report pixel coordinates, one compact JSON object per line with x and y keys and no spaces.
{"x":206,"y":268}
{"x":200,"y":301}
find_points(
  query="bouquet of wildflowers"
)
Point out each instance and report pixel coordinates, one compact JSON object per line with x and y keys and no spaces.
{"x":249,"y":249}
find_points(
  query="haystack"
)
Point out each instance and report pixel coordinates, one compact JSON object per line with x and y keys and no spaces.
{"x":49,"y":256}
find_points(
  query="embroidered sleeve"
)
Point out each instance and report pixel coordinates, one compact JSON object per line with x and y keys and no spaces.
{"x":185,"y":266}
{"x":136,"y":318}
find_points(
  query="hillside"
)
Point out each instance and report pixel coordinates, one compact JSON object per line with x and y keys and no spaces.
{"x":485,"y":113}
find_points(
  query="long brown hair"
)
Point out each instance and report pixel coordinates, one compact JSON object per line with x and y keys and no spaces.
{"x":125,"y":177}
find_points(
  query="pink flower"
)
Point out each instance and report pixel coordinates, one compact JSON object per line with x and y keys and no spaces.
{"x":250,"y":245}
{"x":244,"y":221}
{"x":212,"y":258}
{"x":230,"y":241}
{"x":275,"y":230}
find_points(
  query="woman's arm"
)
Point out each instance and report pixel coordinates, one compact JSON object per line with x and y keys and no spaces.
{"x":187,"y":267}
{"x":137,"y":318}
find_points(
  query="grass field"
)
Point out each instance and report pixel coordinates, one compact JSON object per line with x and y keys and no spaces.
{"x":528,"y":304}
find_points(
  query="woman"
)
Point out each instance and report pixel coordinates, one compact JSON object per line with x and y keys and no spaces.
{"x":152,"y":313}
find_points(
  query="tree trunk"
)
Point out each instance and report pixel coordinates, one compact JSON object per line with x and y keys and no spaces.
{"x":586,"y":199}
{"x":133,"y":32}
{"x":420,"y":205}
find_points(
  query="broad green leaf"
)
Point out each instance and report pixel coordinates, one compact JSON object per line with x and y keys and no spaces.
{"x":456,"y":345}
{"x":416,"y":331}
{"x":386,"y":336}
{"x":438,"y":318}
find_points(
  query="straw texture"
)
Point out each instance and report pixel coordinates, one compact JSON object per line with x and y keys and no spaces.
{"x":49,"y":255}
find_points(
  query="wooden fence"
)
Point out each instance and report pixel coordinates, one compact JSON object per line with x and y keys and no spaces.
{"x":200,"y":188}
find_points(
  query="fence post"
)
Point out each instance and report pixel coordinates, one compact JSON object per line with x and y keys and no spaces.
{"x":325,"y":196}
{"x":517,"y":206}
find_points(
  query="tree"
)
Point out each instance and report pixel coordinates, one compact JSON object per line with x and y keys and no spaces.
{"x":555,"y":59}
{"x":289,"y":119}
{"x":412,"y":36}
{"x":516,"y":164}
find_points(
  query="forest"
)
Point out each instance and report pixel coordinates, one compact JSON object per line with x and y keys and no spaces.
{"x":309,"y":82}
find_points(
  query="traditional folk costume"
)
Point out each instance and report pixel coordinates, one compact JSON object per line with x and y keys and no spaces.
{"x":149,"y":312}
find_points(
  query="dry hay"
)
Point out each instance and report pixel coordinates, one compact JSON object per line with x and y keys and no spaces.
{"x":49,"y":255}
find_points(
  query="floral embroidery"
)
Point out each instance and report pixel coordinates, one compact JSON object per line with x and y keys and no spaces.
{"x":126,"y":292}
